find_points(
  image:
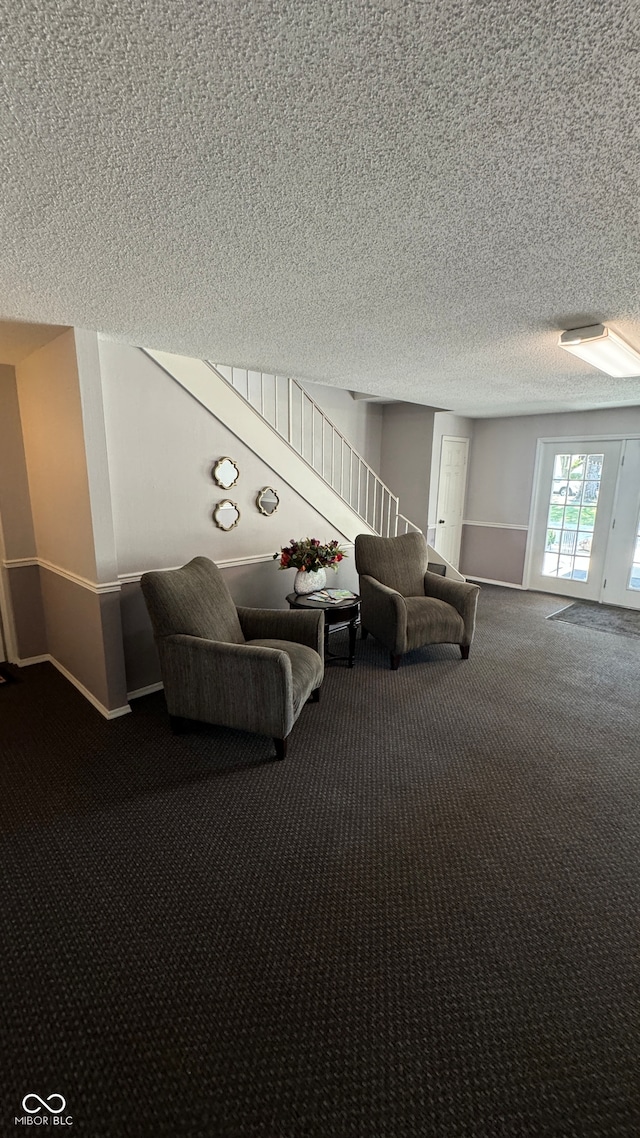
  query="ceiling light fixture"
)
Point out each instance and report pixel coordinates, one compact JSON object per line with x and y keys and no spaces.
{"x":605,"y":349}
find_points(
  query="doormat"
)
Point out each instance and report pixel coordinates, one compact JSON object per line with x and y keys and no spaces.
{"x":601,"y":618}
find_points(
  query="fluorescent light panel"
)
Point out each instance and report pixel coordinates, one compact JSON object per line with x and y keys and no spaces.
{"x":599,"y":346}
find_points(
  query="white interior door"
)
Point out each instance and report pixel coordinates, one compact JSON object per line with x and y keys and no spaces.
{"x":452,"y":484}
{"x":576,"y":490}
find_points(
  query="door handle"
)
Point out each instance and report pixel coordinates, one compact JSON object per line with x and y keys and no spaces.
{"x":441,"y":521}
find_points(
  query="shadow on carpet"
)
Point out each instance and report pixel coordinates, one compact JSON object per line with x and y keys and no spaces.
{"x":600,"y":618}
{"x":6,"y":675}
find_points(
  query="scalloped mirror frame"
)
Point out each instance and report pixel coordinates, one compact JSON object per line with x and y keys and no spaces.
{"x":266,"y":490}
{"x":225,"y":472}
{"x":225,"y":507}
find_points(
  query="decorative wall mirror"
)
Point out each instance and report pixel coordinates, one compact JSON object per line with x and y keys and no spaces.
{"x":226,"y":515}
{"x":267,"y":501}
{"x":226,"y":473}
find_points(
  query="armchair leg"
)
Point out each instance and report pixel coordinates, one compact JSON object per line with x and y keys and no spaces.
{"x":464,"y":651}
{"x":315,"y":696}
{"x":364,"y":632}
{"x":179,"y":725}
{"x":395,"y":662}
{"x":281,"y":748}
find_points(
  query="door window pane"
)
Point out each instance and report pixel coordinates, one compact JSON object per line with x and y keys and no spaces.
{"x":575,"y":487}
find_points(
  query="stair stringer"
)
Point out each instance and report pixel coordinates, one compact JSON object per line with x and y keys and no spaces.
{"x":225,"y":404}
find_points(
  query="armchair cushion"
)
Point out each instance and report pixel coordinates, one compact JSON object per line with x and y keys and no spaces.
{"x":304,"y":626}
{"x":430,"y":621}
{"x":306,"y":668}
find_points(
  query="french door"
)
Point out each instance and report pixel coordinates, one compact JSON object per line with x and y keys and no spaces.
{"x":585,"y":540}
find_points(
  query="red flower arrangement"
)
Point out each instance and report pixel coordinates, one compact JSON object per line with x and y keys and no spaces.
{"x":309,"y":555}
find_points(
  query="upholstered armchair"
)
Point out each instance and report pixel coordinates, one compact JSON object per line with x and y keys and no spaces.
{"x":405,"y":606}
{"x":252,"y":669}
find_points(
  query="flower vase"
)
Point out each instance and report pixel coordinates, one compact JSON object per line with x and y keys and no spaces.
{"x":307,"y":582}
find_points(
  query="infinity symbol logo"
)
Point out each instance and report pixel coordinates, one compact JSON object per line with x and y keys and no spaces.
{"x":43,"y":1103}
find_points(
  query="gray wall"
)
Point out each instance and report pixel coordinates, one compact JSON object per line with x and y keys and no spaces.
{"x":407,"y":441}
{"x":500,"y":482}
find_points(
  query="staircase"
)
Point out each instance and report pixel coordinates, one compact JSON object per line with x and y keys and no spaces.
{"x":291,"y":411}
{"x":291,"y":433}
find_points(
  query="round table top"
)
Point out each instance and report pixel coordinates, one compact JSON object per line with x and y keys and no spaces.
{"x":302,"y":601}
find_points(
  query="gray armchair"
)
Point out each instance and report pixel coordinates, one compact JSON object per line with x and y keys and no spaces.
{"x":252,"y":669}
{"x":405,"y":606}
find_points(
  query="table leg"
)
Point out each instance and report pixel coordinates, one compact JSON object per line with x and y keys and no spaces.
{"x":352,"y":641}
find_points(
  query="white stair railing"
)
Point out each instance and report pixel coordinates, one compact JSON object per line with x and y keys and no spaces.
{"x":298,"y":419}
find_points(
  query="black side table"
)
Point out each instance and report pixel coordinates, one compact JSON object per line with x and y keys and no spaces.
{"x":340,"y":612}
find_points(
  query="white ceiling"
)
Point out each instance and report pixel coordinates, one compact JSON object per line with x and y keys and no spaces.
{"x":405,"y":198}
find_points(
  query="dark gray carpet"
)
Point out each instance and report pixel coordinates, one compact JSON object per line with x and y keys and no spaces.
{"x":600,"y":618}
{"x":423,"y":923}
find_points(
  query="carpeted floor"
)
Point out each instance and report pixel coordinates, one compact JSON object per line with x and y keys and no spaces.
{"x":423,"y":923}
{"x":600,"y":618}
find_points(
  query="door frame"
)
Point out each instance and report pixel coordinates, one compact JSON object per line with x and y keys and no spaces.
{"x":537,"y":489}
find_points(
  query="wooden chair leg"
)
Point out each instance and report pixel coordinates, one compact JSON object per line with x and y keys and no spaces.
{"x":395,"y":662}
{"x":364,"y":632}
{"x":464,"y":651}
{"x":179,"y":725}
{"x":281,"y":747}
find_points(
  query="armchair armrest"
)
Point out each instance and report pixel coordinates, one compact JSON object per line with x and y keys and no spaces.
{"x":234,"y":685}
{"x":384,"y":614}
{"x":303,"y":626}
{"x":460,"y":594}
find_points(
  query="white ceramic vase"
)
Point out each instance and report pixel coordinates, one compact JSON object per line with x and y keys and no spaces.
{"x":305,"y":582}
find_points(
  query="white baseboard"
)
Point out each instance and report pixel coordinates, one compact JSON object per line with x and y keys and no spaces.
{"x":503,"y":584}
{"x":145,"y":691}
{"x":113,"y":713}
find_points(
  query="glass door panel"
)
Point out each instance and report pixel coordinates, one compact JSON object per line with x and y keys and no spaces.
{"x":575,"y":492}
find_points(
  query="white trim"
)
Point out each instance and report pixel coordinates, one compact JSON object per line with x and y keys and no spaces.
{"x":84,"y":582}
{"x":504,"y":584}
{"x":590,"y":438}
{"x":144,"y":691}
{"x":19,"y":562}
{"x":115,"y":713}
{"x":495,"y":525}
{"x":253,"y":559}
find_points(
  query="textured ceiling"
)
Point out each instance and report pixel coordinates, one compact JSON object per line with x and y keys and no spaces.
{"x":403,"y":198}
